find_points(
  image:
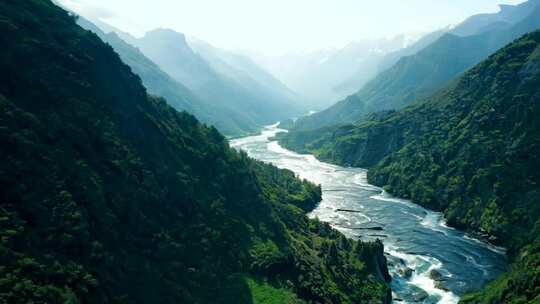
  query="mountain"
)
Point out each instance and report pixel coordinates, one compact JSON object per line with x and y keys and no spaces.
{"x":392,"y":58}
{"x":217,"y":84}
{"x":317,"y":75}
{"x":159,"y":83}
{"x":471,"y":150}
{"x":245,"y":72}
{"x":507,"y":16}
{"x":170,"y":50}
{"x":109,"y":195}
{"x":154,"y":79}
{"x":378,"y":64}
{"x":420,"y":75}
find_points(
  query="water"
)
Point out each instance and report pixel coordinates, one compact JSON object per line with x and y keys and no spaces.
{"x":417,"y":241}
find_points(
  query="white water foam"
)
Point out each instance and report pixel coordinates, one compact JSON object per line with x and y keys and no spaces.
{"x":420,"y":276}
{"x":413,"y":215}
{"x":496,"y":249}
{"x":360,"y":179}
{"x":384,"y":196}
{"x":433,"y":221}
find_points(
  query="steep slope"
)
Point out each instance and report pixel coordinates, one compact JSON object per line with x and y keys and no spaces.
{"x":507,"y":16}
{"x":173,"y":55}
{"x":318,"y":75}
{"x":420,"y":75}
{"x":169,"y":49}
{"x":158,"y":83}
{"x":376,"y":65}
{"x":154,"y":79}
{"x":392,"y":58}
{"x":471,"y":151}
{"x":246,"y":72}
{"x":108,"y":195}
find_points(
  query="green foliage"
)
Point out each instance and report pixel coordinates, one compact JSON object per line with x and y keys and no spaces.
{"x":472,"y":151}
{"x":108,"y":195}
{"x":265,"y":293}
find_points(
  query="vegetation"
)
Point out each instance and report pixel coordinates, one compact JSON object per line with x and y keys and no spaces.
{"x":108,"y":195}
{"x":472,"y":151}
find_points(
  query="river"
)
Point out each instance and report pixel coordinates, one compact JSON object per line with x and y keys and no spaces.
{"x":429,"y":261}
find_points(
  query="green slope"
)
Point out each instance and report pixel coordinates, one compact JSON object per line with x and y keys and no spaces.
{"x":422,"y":74}
{"x":108,"y":195}
{"x":472,"y":151}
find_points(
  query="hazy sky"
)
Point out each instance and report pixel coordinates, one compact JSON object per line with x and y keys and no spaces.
{"x":276,"y":26}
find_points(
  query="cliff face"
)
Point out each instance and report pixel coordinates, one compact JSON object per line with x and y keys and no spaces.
{"x":108,"y":195}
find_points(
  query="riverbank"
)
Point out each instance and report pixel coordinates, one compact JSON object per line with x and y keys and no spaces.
{"x":414,"y":238}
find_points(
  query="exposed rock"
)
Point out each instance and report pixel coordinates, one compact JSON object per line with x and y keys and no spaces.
{"x":436,"y":275}
{"x":440,"y":280}
{"x":406,"y":272}
{"x":380,"y":260}
{"x":441,"y":285}
{"x":419,"y":295}
{"x":348,"y":210}
{"x":377,"y":228}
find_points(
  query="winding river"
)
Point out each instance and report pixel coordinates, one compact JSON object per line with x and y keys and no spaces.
{"x":429,"y":261}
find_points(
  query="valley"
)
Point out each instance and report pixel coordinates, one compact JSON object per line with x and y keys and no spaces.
{"x":141,"y":162}
{"x":418,"y":244}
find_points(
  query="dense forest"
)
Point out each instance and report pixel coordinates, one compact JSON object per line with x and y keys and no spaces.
{"x":109,"y":195}
{"x":471,"y":150}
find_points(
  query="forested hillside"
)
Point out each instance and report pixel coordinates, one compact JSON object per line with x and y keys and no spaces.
{"x":472,"y":151}
{"x":108,"y":195}
{"x":420,"y":75}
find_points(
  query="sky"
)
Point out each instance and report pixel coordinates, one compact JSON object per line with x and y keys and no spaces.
{"x":280,"y":26}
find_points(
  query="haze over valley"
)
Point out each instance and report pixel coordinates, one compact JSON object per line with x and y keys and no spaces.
{"x":270,"y":152}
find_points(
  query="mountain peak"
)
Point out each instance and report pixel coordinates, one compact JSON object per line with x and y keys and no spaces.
{"x":165,"y":33}
{"x":506,"y":7}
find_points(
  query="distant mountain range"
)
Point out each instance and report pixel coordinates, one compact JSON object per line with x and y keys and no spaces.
{"x":508,"y":16}
{"x":247,"y":74}
{"x":321,"y":76}
{"x":360,"y":78}
{"x":220,"y":88}
{"x":419,"y":75}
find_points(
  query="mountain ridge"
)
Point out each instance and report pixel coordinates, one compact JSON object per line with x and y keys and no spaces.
{"x":161,"y":84}
{"x":174,"y":55}
{"x":470,"y":151}
{"x":420,"y":75}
